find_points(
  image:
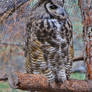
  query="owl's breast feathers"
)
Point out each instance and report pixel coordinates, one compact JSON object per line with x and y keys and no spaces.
{"x":45,"y":38}
{"x":48,"y":34}
{"x":52,"y":31}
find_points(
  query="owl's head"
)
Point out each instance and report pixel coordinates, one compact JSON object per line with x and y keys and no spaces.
{"x":55,"y":8}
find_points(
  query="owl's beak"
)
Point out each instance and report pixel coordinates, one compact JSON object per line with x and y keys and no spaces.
{"x":62,"y":14}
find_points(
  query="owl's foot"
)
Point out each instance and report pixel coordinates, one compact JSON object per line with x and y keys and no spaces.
{"x":53,"y":84}
{"x":61,"y":76}
{"x":13,"y":80}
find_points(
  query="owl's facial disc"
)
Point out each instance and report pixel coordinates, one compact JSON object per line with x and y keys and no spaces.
{"x":56,"y":10}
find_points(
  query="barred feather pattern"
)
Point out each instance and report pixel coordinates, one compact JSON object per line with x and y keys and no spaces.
{"x":49,"y":47}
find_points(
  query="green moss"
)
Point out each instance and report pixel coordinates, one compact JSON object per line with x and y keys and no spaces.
{"x":4,"y":87}
{"x":78,"y":76}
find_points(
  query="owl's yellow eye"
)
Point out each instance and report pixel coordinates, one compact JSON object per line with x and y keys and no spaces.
{"x":53,"y":7}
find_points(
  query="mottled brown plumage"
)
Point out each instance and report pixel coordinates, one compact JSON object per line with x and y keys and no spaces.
{"x":49,"y":43}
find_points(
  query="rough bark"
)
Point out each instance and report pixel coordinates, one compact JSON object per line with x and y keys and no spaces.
{"x":86,"y":12}
{"x":37,"y":82}
{"x":11,"y":8}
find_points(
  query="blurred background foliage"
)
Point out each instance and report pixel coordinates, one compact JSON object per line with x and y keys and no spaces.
{"x":12,"y":35}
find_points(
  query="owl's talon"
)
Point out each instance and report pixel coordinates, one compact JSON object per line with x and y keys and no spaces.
{"x":53,"y":85}
{"x":13,"y":80}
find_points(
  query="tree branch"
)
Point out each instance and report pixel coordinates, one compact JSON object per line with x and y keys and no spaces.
{"x":10,"y":11}
{"x":3,"y":77}
{"x":39,"y":82}
{"x":11,"y":44}
{"x":78,"y":58}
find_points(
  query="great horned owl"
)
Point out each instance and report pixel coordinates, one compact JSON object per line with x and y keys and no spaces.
{"x":49,"y":41}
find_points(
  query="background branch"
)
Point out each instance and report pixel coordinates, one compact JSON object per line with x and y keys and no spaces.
{"x":78,"y":58}
{"x":10,"y":11}
{"x":11,"y":44}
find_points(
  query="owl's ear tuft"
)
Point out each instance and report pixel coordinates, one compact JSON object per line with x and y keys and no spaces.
{"x":42,"y":0}
{"x":58,"y":2}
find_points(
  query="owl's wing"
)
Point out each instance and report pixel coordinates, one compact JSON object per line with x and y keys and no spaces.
{"x":67,"y":32}
{"x":70,"y":37}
